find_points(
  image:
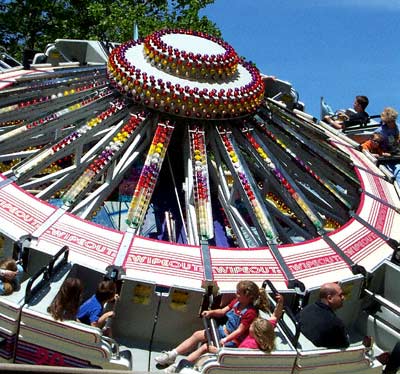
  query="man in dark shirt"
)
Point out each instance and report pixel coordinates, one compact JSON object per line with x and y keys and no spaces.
{"x":349,"y":118}
{"x":318,"y":321}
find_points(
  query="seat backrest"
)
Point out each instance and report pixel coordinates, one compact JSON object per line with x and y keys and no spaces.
{"x":351,"y":289}
{"x":178,"y":317}
{"x":332,"y":361}
{"x":42,"y":340}
{"x":71,"y":330}
{"x":10,"y":309}
{"x":392,"y":276}
{"x":91,"y":278}
{"x":237,"y":360}
{"x":36,"y":260}
{"x":135,"y":312}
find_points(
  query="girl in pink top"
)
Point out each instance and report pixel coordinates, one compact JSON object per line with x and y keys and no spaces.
{"x":261,"y":333}
{"x":240,"y":314}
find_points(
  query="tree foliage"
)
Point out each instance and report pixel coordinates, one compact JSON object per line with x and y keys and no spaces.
{"x":32,"y":24}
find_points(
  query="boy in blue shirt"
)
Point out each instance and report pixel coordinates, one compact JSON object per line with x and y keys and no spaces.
{"x":91,"y":311}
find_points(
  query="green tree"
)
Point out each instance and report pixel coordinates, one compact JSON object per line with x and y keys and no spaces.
{"x":32,"y":24}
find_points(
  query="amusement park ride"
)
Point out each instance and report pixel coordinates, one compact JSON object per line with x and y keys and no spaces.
{"x":173,"y":167}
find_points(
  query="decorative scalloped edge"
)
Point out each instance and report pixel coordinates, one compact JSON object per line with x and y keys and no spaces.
{"x":187,"y":101}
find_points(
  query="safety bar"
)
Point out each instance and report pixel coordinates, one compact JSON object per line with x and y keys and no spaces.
{"x":64,"y":250}
{"x":294,"y":338}
{"x":210,"y":328}
{"x":31,"y":290}
{"x":384,"y":302}
{"x":47,"y":272}
{"x":393,"y":308}
{"x":361,"y":124}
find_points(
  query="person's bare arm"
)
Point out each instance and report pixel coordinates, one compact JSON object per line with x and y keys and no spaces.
{"x":278,"y":311}
{"x":103,"y":318}
{"x":234,"y":334}
{"x":336,"y":124}
{"x":8,"y":274}
{"x":215,"y":313}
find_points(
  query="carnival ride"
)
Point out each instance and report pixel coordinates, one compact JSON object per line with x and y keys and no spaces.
{"x":178,"y":170}
{"x":7,"y":62}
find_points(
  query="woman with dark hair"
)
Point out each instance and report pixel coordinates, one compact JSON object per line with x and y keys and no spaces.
{"x":66,"y":303}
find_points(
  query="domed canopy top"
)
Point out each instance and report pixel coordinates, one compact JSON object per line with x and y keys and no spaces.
{"x":187,"y":73}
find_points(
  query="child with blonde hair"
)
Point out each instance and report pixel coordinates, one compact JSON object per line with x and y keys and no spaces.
{"x":261,"y":333}
{"x":240,"y":313}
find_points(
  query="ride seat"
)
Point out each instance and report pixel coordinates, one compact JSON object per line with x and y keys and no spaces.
{"x":334,"y":361}
{"x":240,"y":360}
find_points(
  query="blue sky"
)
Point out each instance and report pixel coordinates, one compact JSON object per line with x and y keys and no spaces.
{"x":331,"y":48}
